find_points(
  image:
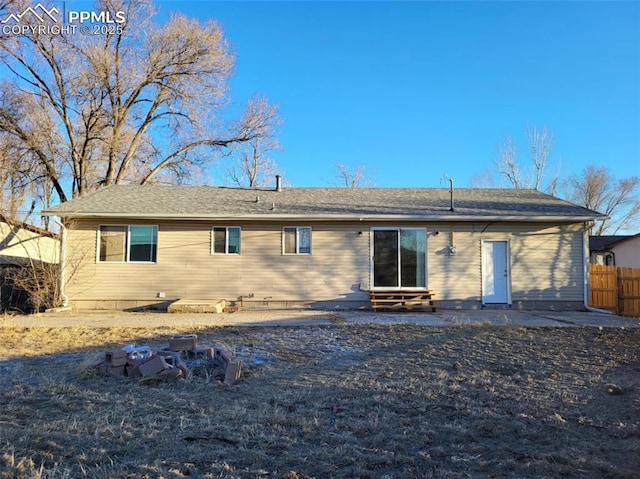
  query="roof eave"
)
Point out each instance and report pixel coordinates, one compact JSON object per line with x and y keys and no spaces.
{"x":335,"y":217}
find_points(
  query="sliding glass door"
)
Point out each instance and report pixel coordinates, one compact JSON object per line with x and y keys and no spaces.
{"x":399,"y":258}
{"x":386,"y":263}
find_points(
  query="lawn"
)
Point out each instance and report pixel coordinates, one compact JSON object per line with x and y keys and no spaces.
{"x":355,"y":401}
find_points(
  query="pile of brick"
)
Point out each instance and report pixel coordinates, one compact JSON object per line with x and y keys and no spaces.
{"x":183,"y":358}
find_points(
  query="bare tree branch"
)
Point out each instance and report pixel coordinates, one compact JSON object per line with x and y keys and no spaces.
{"x":507,"y":163}
{"x":353,"y":176}
{"x":143,"y":102}
{"x":540,"y":142}
{"x":597,"y":189}
{"x":254,"y":167}
{"x":535,"y":175}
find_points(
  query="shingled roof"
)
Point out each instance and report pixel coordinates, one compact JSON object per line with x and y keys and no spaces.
{"x":209,"y":202}
{"x":605,"y":243}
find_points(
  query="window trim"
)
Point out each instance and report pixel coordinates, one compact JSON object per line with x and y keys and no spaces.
{"x":226,"y":240}
{"x":297,"y":231}
{"x":127,"y":250}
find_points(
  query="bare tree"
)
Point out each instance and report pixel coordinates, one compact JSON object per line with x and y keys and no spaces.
{"x":507,"y":163}
{"x":353,"y":176}
{"x":141,"y":103}
{"x":3,"y":7}
{"x":540,"y":142}
{"x":254,"y":167}
{"x":533,"y":175}
{"x":483,"y":179}
{"x":21,"y":185}
{"x":597,"y":189}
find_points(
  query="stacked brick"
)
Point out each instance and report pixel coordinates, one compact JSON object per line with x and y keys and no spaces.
{"x":118,"y":362}
{"x":182,"y":358}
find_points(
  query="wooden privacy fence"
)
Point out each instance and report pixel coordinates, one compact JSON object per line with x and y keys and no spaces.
{"x":615,"y":288}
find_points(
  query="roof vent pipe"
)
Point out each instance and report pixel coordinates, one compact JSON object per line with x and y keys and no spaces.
{"x":451,"y":193}
{"x":278,"y":183}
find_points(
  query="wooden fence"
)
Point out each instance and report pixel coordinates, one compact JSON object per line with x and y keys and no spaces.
{"x":615,"y":288}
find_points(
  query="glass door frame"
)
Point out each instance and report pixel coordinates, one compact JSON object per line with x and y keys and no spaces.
{"x":398,"y":229}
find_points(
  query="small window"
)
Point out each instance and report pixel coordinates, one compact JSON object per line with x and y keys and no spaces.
{"x":121,"y":244}
{"x":297,"y":240}
{"x":226,"y":240}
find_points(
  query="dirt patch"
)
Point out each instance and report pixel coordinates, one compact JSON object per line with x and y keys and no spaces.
{"x":380,"y":401}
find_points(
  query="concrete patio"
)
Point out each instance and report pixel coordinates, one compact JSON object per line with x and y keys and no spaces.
{"x":289,"y":317}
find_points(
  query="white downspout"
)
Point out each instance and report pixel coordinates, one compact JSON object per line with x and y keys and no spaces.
{"x":585,"y":260}
{"x":62,"y":259}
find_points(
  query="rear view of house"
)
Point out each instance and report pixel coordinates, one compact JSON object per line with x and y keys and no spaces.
{"x":130,"y":246}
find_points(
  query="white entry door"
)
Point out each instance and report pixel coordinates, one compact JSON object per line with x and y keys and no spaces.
{"x":495,"y":273}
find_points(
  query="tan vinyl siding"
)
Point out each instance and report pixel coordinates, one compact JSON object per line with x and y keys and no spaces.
{"x":453,"y":277}
{"x":186,"y":268}
{"x":546,"y":263}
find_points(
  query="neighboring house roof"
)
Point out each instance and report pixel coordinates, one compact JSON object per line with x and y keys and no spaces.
{"x":209,"y":202}
{"x":606,"y":243}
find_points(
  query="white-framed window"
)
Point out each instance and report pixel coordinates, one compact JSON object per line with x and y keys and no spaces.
{"x":296,"y":240}
{"x":128,"y":244}
{"x":225,"y":240}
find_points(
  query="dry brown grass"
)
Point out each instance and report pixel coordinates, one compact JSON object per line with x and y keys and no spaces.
{"x":334,"y":401}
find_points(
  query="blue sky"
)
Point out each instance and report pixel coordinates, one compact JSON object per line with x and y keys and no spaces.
{"x":418,"y":90}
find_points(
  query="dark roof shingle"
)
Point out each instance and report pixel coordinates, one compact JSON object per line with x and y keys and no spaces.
{"x":202,"y":202}
{"x":605,"y":243}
